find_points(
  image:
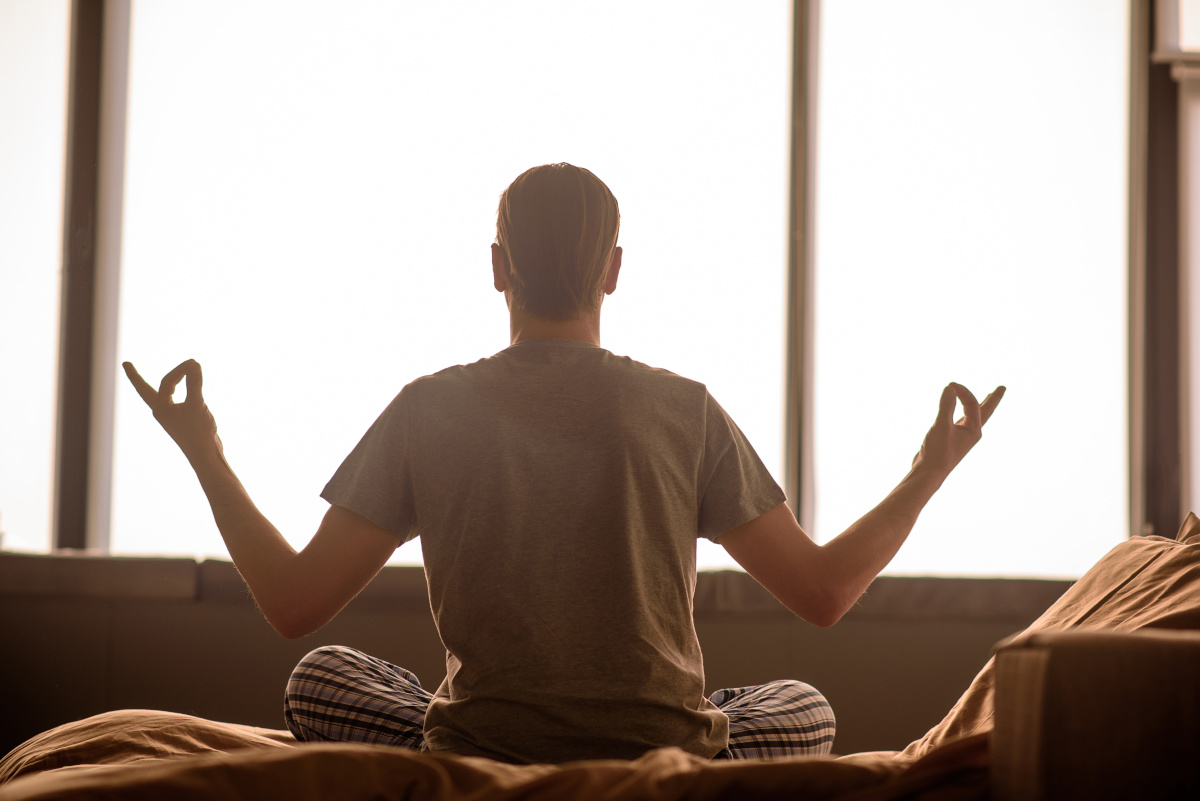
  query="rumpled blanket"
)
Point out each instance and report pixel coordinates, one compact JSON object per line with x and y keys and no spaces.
{"x":1145,"y":582}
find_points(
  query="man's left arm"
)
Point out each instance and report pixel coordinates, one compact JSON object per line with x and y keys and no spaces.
{"x":297,"y":592}
{"x":820,"y":583}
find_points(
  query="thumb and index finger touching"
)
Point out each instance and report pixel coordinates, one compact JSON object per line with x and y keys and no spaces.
{"x":188,"y":371}
{"x":975,"y":414}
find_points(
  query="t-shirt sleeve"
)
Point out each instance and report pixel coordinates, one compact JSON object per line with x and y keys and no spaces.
{"x":375,"y":480}
{"x":735,"y":486}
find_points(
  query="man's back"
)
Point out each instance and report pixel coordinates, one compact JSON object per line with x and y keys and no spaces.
{"x":558,"y":491}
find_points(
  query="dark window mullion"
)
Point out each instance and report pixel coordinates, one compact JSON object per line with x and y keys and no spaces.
{"x":1162,"y":435}
{"x":77,"y":309}
{"x":798,"y":480}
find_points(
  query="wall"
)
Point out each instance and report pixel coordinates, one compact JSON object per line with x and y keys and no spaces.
{"x":82,"y":635}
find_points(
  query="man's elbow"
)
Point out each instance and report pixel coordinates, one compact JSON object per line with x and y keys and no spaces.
{"x":290,"y":632}
{"x":824,"y":617}
{"x":823,"y":609}
{"x":293,"y":623}
{"x":823,"y":621}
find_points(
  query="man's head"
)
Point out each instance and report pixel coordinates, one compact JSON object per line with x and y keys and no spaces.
{"x":556,"y":230}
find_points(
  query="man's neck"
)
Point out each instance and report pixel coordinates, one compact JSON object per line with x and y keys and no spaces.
{"x":585,"y":328}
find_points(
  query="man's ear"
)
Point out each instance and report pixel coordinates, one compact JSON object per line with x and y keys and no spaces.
{"x":614,"y":272}
{"x":499,"y":269}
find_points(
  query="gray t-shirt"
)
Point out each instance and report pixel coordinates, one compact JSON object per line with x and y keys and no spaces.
{"x":558,"y":491}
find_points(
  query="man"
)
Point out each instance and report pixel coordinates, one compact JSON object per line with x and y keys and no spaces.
{"x":558,"y":491}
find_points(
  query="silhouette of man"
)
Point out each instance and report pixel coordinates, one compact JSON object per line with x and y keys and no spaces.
{"x":558,"y":491}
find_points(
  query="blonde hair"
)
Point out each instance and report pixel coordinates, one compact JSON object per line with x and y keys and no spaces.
{"x":557,"y":225}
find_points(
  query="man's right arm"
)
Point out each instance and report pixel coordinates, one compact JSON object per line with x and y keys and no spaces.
{"x":821,"y":582}
{"x":297,"y":592}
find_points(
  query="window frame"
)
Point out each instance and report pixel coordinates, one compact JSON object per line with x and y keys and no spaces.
{"x":97,"y":88}
{"x":92,"y":221}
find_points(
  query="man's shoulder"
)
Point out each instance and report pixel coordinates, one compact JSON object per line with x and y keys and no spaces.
{"x":553,"y":363}
{"x":659,"y":379}
{"x":455,"y":373}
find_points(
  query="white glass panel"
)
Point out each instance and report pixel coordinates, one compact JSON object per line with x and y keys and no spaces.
{"x":33,"y":70}
{"x":311,"y":197}
{"x":971,"y":228}
{"x":1189,"y":24}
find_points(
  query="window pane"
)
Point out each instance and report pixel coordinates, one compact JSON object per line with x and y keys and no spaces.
{"x":311,"y":198}
{"x":33,"y":70}
{"x":971,"y":228}
{"x":1189,"y":23}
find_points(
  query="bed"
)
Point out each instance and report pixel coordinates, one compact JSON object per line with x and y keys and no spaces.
{"x":1038,"y":721}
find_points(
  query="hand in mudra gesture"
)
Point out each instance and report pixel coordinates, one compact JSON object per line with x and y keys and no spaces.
{"x":189,"y":423}
{"x":948,"y":441}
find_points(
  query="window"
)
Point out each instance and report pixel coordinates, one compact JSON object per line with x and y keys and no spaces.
{"x":311,"y":197}
{"x":308,"y":214}
{"x":971,"y":191}
{"x":33,"y":56}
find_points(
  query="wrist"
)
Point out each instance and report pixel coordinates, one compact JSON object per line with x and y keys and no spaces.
{"x":207,"y":459}
{"x":925,"y":480}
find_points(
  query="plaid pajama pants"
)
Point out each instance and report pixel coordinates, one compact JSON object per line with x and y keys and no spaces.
{"x":340,"y":694}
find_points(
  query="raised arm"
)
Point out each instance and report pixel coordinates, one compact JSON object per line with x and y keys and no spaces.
{"x":821,"y":582}
{"x":297,"y":592}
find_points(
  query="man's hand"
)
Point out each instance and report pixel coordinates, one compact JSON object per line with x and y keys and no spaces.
{"x":190,"y":423}
{"x":948,"y":442}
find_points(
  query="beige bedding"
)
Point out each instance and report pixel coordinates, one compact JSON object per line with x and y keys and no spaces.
{"x":142,"y":754}
{"x":1143,"y":583}
{"x":137,"y":754}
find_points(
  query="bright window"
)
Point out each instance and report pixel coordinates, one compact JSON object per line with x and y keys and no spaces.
{"x":33,"y":62}
{"x":971,"y":227}
{"x":311,"y":197}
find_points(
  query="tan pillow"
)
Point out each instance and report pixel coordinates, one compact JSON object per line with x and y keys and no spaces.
{"x":1097,"y":714}
{"x":129,"y":736}
{"x":1145,"y":582}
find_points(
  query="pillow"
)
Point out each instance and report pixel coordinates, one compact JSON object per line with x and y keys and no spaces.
{"x":1077,"y":717}
{"x":1145,"y":582}
{"x":132,"y":735}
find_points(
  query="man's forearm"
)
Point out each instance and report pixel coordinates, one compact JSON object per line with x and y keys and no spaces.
{"x":821,"y":582}
{"x":857,"y":555}
{"x":259,"y":551}
{"x":297,"y":592}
